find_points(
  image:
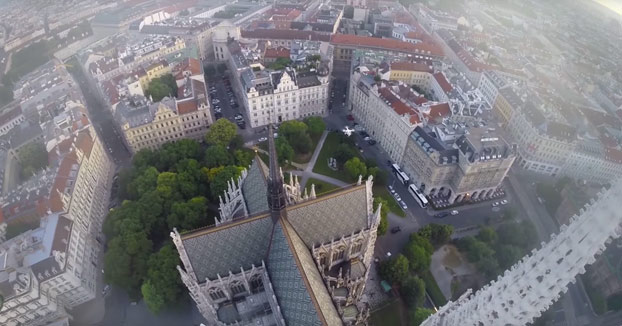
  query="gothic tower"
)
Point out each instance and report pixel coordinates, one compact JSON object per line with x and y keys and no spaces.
{"x":522,"y":293}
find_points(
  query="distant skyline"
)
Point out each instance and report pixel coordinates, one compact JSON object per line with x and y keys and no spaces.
{"x":614,"y":5}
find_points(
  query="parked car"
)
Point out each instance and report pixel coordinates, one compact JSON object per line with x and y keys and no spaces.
{"x":441,"y":215}
{"x":397,"y":197}
{"x":391,"y":190}
{"x":504,"y":202}
{"x":396,"y":229}
{"x":454,"y":212}
{"x":215,"y":101}
{"x":495,"y":204}
{"x":106,"y":289}
{"x":371,"y":142}
{"x":350,"y":117}
{"x":262,"y":139}
{"x":238,"y":117}
{"x":403,"y":204}
{"x":389,"y":163}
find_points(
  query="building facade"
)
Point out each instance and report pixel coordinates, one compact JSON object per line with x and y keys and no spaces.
{"x":459,"y":165}
{"x":153,"y":125}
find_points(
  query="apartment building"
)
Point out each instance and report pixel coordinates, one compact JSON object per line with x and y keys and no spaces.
{"x":421,"y":75}
{"x":46,"y":271}
{"x":490,"y":84}
{"x":457,"y":163}
{"x":504,"y":105}
{"x":39,"y":275}
{"x":543,"y":145}
{"x":273,"y":96}
{"x":390,"y":111}
{"x":10,"y":117}
{"x":346,"y":45}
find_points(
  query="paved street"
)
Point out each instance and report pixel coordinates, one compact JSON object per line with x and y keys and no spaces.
{"x":101,"y":118}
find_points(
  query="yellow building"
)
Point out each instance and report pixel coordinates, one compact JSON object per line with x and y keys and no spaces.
{"x":505,"y":104}
{"x":157,"y":69}
{"x":411,"y":73}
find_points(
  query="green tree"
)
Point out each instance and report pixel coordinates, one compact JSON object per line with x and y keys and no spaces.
{"x":419,"y":315}
{"x":489,"y":266}
{"x":355,"y":168}
{"x":296,"y":133}
{"x":221,"y":132}
{"x":394,"y":270}
{"x":384,"y":210}
{"x":508,"y":255}
{"x":188,"y":215}
{"x":422,"y":242}
{"x":280,"y":63}
{"x":487,"y":234}
{"x":33,"y":157}
{"x":437,"y":234}
{"x":343,"y":153}
{"x":162,"y":286}
{"x":614,"y":302}
{"x":413,"y":291}
{"x":167,"y":185}
{"x":418,"y":258}
{"x":478,"y":250}
{"x":158,"y":90}
{"x":143,"y":183}
{"x":316,"y":126}
{"x":243,"y":158}
{"x":218,"y":184}
{"x":217,"y":155}
{"x":284,"y":151}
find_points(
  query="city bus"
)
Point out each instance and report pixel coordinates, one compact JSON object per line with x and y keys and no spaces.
{"x":404,"y":179}
{"x":421,"y":200}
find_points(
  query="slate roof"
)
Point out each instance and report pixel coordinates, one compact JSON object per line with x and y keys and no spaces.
{"x":228,"y":247}
{"x":344,"y":211}
{"x":255,"y":188}
{"x":297,"y":306}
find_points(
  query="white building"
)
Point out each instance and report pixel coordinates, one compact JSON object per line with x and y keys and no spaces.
{"x":10,"y":118}
{"x":490,"y":84}
{"x":390,"y":112}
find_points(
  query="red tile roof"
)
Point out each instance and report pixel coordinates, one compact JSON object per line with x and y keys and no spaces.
{"x":55,"y":201}
{"x":411,"y":66}
{"x":398,"y":106}
{"x":439,"y":111}
{"x":187,"y":106}
{"x":278,"y":52}
{"x":428,"y":48}
{"x":284,"y":34}
{"x":85,"y":142}
{"x":613,"y":155}
{"x":442,"y":81}
{"x":412,"y":35}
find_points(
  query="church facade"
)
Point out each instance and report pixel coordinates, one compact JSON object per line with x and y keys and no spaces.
{"x":281,"y":256}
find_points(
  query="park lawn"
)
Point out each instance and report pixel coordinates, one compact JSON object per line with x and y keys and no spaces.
{"x":321,"y":187}
{"x":321,"y":165}
{"x":388,"y":315}
{"x":433,"y":290}
{"x":394,"y":206}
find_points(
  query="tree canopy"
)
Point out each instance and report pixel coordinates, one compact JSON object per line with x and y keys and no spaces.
{"x":221,"y":132}
{"x":394,"y":270}
{"x":316,"y":126}
{"x":33,"y":157}
{"x":172,"y":187}
{"x":419,"y":315}
{"x":355,"y":168}
{"x":284,"y":150}
{"x":413,"y":291}
{"x":162,"y":87}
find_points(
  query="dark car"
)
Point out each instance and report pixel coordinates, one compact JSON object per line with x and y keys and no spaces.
{"x":396,"y":229}
{"x":441,"y":215}
{"x":371,"y":142}
{"x":389,"y":163}
{"x":364,"y":134}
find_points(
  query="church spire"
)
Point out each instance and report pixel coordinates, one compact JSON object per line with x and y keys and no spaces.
{"x":276,"y":193}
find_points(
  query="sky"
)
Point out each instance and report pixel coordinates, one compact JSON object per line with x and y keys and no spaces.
{"x":615,"y":5}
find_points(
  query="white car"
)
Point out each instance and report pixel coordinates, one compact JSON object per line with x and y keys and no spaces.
{"x":495,"y":204}
{"x":454,"y":212}
{"x":504,"y":202}
{"x":215,"y":101}
{"x":403,"y":204}
{"x":262,"y":139}
{"x":391,"y":190}
{"x":106,"y":289}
